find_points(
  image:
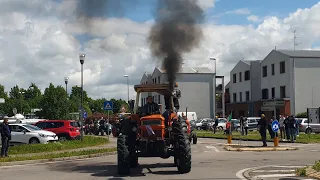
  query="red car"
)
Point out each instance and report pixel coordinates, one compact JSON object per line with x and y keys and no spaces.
{"x":65,"y":129}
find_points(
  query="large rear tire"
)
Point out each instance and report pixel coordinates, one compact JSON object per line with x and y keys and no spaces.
{"x":123,"y":155}
{"x":182,"y":149}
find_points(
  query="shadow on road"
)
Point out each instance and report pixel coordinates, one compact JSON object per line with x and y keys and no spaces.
{"x":110,"y":169}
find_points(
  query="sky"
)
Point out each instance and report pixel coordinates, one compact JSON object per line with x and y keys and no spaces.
{"x":40,"y":40}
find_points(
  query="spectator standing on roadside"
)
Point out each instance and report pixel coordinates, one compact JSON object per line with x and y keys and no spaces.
{"x":271,"y":133}
{"x":5,"y":137}
{"x":297,"y":127}
{"x":241,"y":125}
{"x":292,"y":129}
{"x":262,"y":128}
{"x":282,"y":131}
{"x":215,"y":126}
{"x":286,"y":127}
{"x":245,"y":125}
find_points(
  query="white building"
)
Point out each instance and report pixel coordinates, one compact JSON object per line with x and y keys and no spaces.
{"x":285,"y":82}
{"x":242,"y":88}
{"x":197,"y":85}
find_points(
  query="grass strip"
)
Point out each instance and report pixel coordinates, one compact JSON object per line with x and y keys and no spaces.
{"x":302,"y":138}
{"x":88,"y":141}
{"x":52,"y":156}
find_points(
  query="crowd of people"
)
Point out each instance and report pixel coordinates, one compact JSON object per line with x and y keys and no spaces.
{"x":289,"y":128}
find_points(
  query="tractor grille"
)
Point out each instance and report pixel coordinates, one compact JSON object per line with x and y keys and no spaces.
{"x":158,"y":133}
{"x":151,"y":122}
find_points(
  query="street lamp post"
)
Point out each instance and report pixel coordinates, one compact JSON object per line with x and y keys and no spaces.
{"x":215,"y":81}
{"x":21,"y":97}
{"x":82,"y":58}
{"x":127,"y":76}
{"x":66,"y":82}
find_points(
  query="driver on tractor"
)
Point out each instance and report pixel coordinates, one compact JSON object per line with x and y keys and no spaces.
{"x":151,"y":107}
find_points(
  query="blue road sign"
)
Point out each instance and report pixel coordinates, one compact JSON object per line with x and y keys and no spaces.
{"x":85,"y":114}
{"x":107,"y":105}
{"x":275,"y":126}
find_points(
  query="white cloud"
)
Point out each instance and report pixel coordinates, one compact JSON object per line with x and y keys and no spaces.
{"x":43,"y":49}
{"x":206,"y":4}
{"x":253,"y":18}
{"x":241,"y":11}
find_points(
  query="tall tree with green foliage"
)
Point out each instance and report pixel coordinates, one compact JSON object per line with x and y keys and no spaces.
{"x":4,"y":95}
{"x":53,"y":103}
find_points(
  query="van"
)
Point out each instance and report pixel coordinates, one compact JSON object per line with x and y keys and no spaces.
{"x":192,"y":116}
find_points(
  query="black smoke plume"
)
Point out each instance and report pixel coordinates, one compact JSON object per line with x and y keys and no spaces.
{"x":175,"y":32}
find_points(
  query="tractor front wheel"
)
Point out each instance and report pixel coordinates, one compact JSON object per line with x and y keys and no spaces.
{"x":182,"y":150}
{"x":123,"y":155}
{"x":195,"y":139}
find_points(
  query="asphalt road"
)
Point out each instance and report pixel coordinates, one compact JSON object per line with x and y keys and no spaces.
{"x":209,"y":162}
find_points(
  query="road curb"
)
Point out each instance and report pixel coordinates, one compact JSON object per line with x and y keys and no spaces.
{"x":13,"y":163}
{"x":206,"y":137}
{"x":235,"y":147}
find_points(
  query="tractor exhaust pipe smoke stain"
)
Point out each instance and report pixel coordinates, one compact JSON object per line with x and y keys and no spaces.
{"x":176,"y":31}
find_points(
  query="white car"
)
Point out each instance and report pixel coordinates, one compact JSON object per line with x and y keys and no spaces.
{"x":222,"y":123}
{"x":29,"y":134}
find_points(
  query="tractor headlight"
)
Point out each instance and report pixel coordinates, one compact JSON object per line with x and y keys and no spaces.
{"x":134,"y":129}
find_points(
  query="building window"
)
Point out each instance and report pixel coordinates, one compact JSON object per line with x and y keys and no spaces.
{"x":247,"y":96}
{"x":282,"y":91}
{"x":234,"y":78}
{"x":273,"y":93}
{"x":240,"y":77}
{"x":142,"y":102}
{"x":240,"y":96}
{"x":234,"y":97}
{"x":264,"y":71}
{"x":159,"y":100}
{"x":155,"y":80}
{"x":159,"y":79}
{"x":247,"y":75}
{"x":272,"y":69}
{"x":282,"y":67}
{"x":265,"y":94}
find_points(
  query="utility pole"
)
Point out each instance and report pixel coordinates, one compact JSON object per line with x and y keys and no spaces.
{"x":295,"y":40}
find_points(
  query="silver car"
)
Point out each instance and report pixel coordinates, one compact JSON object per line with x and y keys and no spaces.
{"x":308,"y":127}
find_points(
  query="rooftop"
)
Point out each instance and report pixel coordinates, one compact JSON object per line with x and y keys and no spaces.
{"x":301,"y":53}
{"x":191,"y":70}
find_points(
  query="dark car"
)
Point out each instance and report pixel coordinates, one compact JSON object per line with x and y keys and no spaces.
{"x":206,"y":124}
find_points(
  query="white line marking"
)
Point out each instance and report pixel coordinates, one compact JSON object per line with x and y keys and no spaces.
{"x":274,"y":175}
{"x":239,"y":174}
{"x":261,"y":171}
{"x":212,"y":147}
{"x":289,"y":166}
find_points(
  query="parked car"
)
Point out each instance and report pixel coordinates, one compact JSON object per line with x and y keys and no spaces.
{"x":65,"y":129}
{"x":200,"y":122}
{"x":236,"y":124}
{"x":29,"y":134}
{"x":206,"y":125}
{"x":222,"y":123}
{"x":253,"y":122}
{"x":308,"y":127}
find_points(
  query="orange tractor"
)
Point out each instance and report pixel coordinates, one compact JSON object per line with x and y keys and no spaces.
{"x":153,"y":135}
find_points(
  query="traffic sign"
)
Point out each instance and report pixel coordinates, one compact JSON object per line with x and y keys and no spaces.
{"x":85,"y":114}
{"x":108,"y":105}
{"x":275,"y":126}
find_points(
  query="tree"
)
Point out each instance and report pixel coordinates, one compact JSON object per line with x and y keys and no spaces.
{"x":53,"y":103}
{"x":33,"y":96}
{"x":4,"y":95}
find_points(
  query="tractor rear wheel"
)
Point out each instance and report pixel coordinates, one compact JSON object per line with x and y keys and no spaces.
{"x":182,"y":149}
{"x":195,"y":139}
{"x":123,"y":155}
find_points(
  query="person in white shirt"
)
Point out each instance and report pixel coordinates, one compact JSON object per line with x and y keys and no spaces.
{"x":282,"y":129}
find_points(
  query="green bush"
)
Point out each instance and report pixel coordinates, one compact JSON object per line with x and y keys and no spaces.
{"x":316,"y":166}
{"x":301,"y":171}
{"x":302,"y":115}
{"x":58,"y":146}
